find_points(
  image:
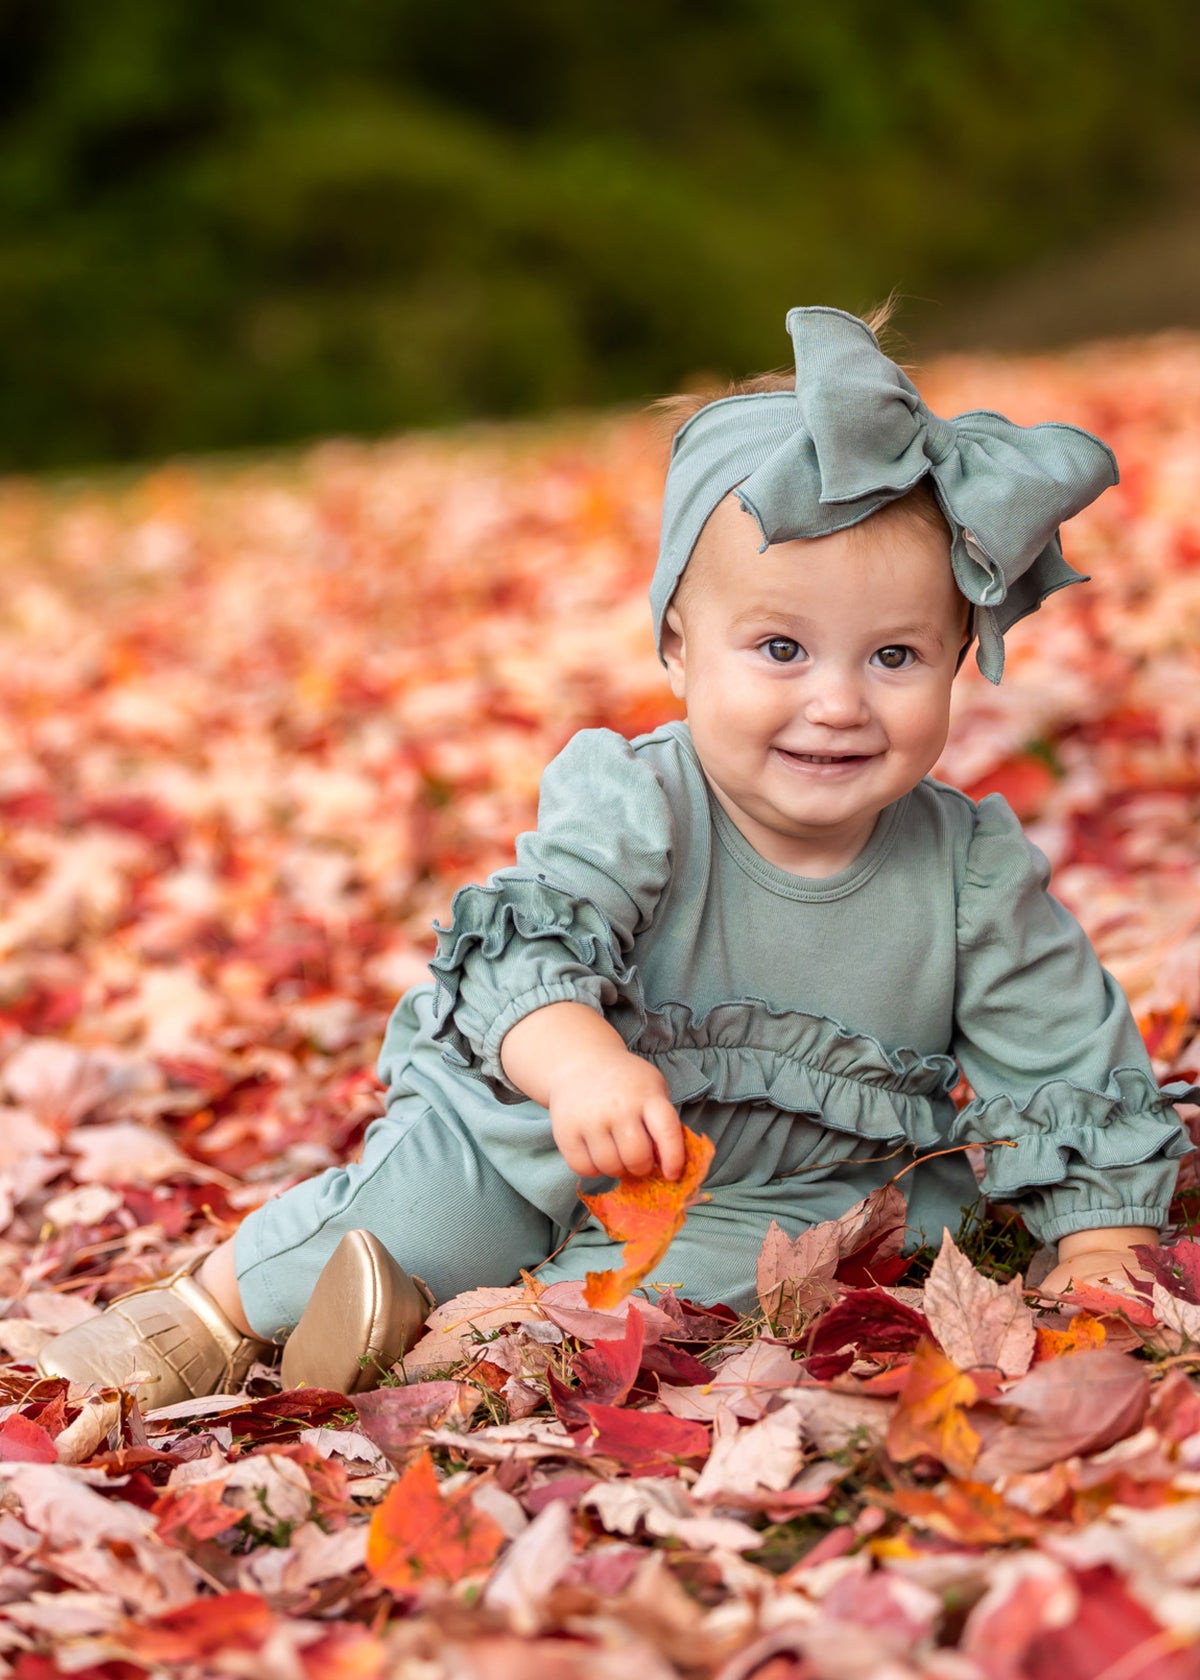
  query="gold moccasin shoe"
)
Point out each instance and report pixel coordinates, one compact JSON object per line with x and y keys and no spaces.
{"x":171,"y":1338}
{"x":363,"y":1314}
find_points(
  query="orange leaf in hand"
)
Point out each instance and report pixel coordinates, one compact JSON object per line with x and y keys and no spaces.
{"x":930,"y":1416}
{"x":645,"y":1214}
{"x":418,"y":1534}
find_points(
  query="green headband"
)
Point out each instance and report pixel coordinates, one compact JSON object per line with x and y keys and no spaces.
{"x":856,"y":436}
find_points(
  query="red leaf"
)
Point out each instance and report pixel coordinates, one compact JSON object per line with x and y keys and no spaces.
{"x":419,"y":1534}
{"x":606,"y":1372}
{"x":1177,"y":1268}
{"x":24,"y":1442}
{"x":645,"y":1214}
{"x":237,"y":1621}
{"x":645,"y":1443}
{"x":871,"y":1320}
{"x":1026,"y":782}
{"x":194,"y":1513}
{"x":395,"y":1418}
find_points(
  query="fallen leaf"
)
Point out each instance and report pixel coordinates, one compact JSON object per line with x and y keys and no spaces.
{"x":795,"y":1274}
{"x":396,"y":1418}
{"x":418,"y":1534}
{"x":644,"y":1443}
{"x":564,"y":1305}
{"x":645,"y":1214}
{"x":531,"y":1568}
{"x":1076,"y":1404}
{"x":931,"y":1416}
{"x":664,"y":1508}
{"x":971,"y":1513}
{"x":976,"y":1320}
{"x":760,"y":1457}
{"x":234,"y":1621}
{"x":1082,"y":1332}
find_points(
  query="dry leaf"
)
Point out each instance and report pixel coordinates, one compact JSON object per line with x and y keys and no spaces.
{"x":645,"y":1214}
{"x":976,"y":1320}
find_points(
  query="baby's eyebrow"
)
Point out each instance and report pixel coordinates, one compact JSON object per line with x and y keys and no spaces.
{"x":925,"y":631}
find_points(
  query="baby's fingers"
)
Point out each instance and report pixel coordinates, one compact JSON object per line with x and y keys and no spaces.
{"x":664,"y":1127}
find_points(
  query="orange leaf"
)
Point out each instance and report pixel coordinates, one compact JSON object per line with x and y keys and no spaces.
{"x":418,"y":1534}
{"x":1084,"y":1331}
{"x":645,"y":1214}
{"x":238,"y":1621}
{"x":969,"y":1512}
{"x":188,"y":1514}
{"x":930,"y":1416}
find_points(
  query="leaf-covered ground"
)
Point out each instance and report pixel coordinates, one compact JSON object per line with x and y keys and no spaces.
{"x":256,"y":723}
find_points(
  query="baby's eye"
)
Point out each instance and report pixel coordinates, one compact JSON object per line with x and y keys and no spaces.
{"x":782,"y":649}
{"x":894,"y":658}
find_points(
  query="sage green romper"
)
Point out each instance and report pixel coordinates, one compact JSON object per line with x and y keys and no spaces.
{"x":812,"y":1028}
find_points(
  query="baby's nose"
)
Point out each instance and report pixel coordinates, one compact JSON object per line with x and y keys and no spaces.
{"x":836,"y":700}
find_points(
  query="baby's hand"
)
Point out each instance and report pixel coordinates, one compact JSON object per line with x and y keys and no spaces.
{"x":612,"y":1114}
{"x":1110,"y":1263}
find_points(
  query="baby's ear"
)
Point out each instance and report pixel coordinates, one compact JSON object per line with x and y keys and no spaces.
{"x":674,"y":652}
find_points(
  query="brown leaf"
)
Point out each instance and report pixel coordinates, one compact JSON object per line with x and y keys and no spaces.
{"x":795,"y":1274}
{"x":976,"y":1320}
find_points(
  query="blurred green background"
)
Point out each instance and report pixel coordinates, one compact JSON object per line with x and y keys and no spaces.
{"x":251,"y":221}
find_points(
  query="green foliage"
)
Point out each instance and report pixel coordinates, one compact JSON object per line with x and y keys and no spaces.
{"x":230,"y":225}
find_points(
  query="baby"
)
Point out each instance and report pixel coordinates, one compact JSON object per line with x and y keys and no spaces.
{"x":766,"y":922}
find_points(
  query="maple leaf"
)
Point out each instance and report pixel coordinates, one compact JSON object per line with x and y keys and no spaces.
{"x":930,"y":1417}
{"x":1176,"y":1268}
{"x":970,"y":1512}
{"x":26,"y":1442}
{"x":192,"y":1513}
{"x":1083,"y":1331}
{"x":645,"y":1214}
{"x":870,"y":1320}
{"x":645,"y":1443}
{"x":232,"y":1621}
{"x":1043,"y":1418}
{"x":606,"y":1372}
{"x":976,"y":1320}
{"x":418,"y":1534}
{"x":795,"y":1274}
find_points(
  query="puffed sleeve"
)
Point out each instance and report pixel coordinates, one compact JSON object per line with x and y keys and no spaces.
{"x":1047,"y":1040}
{"x":559,"y":925}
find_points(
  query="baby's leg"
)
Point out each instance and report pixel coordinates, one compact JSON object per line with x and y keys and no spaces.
{"x":423,"y":1187}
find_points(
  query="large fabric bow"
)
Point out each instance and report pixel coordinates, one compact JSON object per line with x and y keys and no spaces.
{"x":857,"y":435}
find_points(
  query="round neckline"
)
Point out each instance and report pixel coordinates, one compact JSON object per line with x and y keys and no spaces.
{"x":782,"y":881}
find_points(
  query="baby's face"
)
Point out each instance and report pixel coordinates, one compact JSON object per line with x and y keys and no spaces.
{"x":817,"y":677}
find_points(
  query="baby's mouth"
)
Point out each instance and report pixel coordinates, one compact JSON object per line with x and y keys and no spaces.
{"x":825,"y":758}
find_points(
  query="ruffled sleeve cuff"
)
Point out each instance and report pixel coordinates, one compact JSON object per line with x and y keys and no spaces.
{"x":1074,"y":1160}
{"x":510,"y":948}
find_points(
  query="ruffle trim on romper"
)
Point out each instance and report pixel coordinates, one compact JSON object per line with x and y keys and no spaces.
{"x":485,"y":922}
{"x":1129,"y":1123}
{"x":800,"y":1064}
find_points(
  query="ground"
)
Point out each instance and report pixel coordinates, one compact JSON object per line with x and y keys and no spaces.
{"x":258,"y":720}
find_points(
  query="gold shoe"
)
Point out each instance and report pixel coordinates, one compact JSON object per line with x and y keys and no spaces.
{"x":171,"y":1338}
{"x":363,"y":1314}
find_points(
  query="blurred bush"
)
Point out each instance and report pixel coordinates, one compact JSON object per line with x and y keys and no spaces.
{"x":238,"y":223}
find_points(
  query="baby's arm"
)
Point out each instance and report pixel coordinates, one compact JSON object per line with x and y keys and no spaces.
{"x":610,"y":1111}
